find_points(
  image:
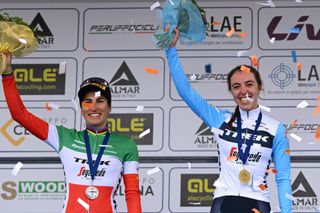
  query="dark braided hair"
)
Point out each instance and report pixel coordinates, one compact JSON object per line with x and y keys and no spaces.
{"x":256,"y":74}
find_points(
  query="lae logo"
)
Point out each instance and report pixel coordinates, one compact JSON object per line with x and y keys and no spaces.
{"x":311,"y":34}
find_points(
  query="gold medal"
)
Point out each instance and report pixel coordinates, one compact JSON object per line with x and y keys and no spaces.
{"x":244,"y":176}
{"x":92,"y":192}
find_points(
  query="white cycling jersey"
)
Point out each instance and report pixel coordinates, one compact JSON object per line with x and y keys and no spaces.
{"x":269,"y":143}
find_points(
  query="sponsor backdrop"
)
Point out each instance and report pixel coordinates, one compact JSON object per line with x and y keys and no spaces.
{"x":113,"y":41}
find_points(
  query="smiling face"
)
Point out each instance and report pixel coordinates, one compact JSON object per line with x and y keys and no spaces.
{"x":95,"y":110}
{"x":245,"y":89}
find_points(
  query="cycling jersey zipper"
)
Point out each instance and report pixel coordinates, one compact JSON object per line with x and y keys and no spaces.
{"x":93,"y":152}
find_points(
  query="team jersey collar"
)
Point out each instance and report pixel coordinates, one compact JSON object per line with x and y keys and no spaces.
{"x":97,"y":131}
{"x":250,"y":114}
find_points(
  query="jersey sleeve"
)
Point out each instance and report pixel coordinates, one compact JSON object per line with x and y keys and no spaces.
{"x":131,"y":178}
{"x":19,"y":113}
{"x":282,"y":164}
{"x":211,"y":115}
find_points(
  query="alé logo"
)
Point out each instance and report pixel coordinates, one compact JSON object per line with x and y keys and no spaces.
{"x":303,"y":23}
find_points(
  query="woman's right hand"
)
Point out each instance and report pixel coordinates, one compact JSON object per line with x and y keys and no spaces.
{"x":6,"y":60}
{"x":175,"y":38}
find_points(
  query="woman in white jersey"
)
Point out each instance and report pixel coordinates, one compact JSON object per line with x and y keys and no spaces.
{"x":248,"y":141}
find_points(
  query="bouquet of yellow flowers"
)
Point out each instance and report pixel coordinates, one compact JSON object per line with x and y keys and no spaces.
{"x":187,"y":17}
{"x":15,"y":37}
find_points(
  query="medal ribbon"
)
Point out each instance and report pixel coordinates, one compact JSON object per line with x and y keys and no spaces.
{"x":244,"y":155}
{"x":94,"y":166}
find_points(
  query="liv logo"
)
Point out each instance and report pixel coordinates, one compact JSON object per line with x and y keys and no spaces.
{"x":302,"y":21}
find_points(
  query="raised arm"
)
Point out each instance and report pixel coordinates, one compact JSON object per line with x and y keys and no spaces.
{"x":212,"y":116}
{"x":281,"y":159}
{"x":18,"y":111}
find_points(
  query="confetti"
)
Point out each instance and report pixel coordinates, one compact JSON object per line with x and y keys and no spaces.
{"x":299,"y":66}
{"x":87,"y":105}
{"x":195,"y":203}
{"x":155,"y":5}
{"x":50,"y":105}
{"x":62,"y":67}
{"x":242,"y":34}
{"x":248,"y":98}
{"x":287,"y":151}
{"x":245,"y":68}
{"x":232,"y":158}
{"x":289,"y":196}
{"x":193,"y":77}
{"x":264,"y":4}
{"x":97,"y":94}
{"x":262,"y":187}
{"x":153,"y":171}
{"x":302,"y":104}
{"x":144,"y":133}
{"x":272,"y":171}
{"x":216,"y":131}
{"x":255,"y":210}
{"x":208,"y":68}
{"x":318,"y":134}
{"x":270,"y":2}
{"x":216,"y":22}
{"x":23,"y":41}
{"x":316,"y":111}
{"x":242,"y":53}
{"x":151,"y":71}
{"x":294,"y":56}
{"x":296,"y":137}
{"x":254,"y":61}
{"x":189,"y":165}
{"x":171,"y":2}
{"x":75,"y":104}
{"x":294,"y":30}
{"x":139,"y":108}
{"x":17,"y":168}
{"x":267,"y":109}
{"x":272,"y":40}
{"x":298,"y":1}
{"x":230,"y":33}
{"x":84,"y":204}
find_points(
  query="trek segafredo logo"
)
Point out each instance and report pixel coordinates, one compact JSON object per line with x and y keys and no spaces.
{"x":306,"y":198}
{"x":124,"y":84}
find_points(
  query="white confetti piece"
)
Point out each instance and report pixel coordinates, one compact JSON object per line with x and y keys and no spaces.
{"x":23,"y":41}
{"x":144,"y":133}
{"x":218,"y":184}
{"x":195,"y":203}
{"x":84,"y":204}
{"x":272,"y":40}
{"x":153,"y":171}
{"x":155,"y":5}
{"x":290,"y":197}
{"x":242,"y":53}
{"x":62,"y":67}
{"x":52,"y":105}
{"x":248,"y":98}
{"x":193,"y":77}
{"x":17,"y":168}
{"x":75,"y":104}
{"x":267,"y":109}
{"x":216,"y":131}
{"x":97,"y":94}
{"x":189,"y":165}
{"x":296,"y":137}
{"x":140,"y":108}
{"x":270,"y":2}
{"x":264,"y":4}
{"x":171,"y":2}
{"x":302,"y":105}
{"x":298,"y":1}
